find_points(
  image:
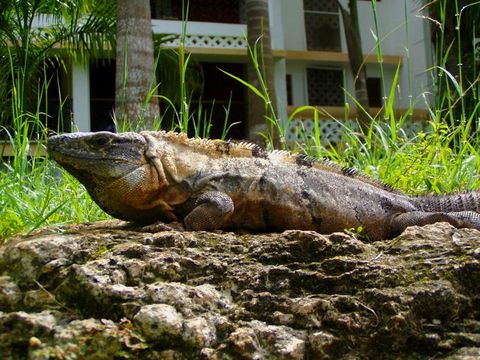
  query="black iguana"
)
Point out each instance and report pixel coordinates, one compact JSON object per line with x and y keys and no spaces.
{"x":212,"y":184}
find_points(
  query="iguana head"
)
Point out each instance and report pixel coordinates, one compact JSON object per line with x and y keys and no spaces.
{"x":119,"y":171}
{"x":96,"y":156}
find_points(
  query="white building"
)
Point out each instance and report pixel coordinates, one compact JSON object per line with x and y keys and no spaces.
{"x":309,"y":47}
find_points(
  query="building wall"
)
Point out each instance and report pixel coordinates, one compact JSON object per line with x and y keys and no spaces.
{"x":401,"y":32}
{"x":293,"y":25}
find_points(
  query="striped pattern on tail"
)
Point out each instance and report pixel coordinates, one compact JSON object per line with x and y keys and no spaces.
{"x":468,"y":201}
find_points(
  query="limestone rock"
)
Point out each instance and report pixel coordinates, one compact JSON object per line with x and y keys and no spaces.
{"x":104,"y":290}
{"x":158,"y":321}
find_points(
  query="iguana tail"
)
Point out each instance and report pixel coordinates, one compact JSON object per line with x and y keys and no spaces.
{"x":460,"y":210}
{"x":469,"y":201}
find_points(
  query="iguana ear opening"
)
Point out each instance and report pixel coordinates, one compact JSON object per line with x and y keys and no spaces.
{"x":151,"y":155}
{"x":161,"y":160}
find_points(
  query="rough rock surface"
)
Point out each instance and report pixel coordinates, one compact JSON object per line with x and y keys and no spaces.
{"x":104,"y":291}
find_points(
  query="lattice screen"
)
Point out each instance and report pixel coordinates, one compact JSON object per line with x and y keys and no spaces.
{"x":210,"y":41}
{"x":332,"y":130}
{"x":325,"y":87}
{"x":322,"y":25}
{"x":320,"y":5}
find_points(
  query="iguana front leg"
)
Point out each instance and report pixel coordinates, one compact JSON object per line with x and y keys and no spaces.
{"x":459,"y":219}
{"x":211,"y":210}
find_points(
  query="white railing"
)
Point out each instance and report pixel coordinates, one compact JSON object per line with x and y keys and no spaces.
{"x":332,"y":130}
{"x":46,"y":20}
{"x":199,"y":34}
{"x":203,"y":34}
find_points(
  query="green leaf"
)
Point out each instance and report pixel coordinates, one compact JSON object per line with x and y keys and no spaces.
{"x":246,"y":84}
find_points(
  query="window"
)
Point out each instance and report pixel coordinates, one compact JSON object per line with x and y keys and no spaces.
{"x":102,"y":94}
{"x":374,"y":88}
{"x":325,"y":87}
{"x":322,"y":25}
{"x":220,"y":90}
{"x":55,"y":112}
{"x":289,"y":89}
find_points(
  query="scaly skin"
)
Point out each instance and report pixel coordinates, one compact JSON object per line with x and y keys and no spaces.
{"x":211,"y":184}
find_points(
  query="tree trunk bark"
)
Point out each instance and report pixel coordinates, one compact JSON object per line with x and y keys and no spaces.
{"x":135,"y":75}
{"x":257,"y":111}
{"x":355,"y":56}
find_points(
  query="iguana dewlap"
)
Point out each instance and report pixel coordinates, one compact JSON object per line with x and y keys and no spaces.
{"x":211,"y":184}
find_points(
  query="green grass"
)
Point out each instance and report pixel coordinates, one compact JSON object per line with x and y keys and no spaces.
{"x":42,"y":195}
{"x":35,"y":192}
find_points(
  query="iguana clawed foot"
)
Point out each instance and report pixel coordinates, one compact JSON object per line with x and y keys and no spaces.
{"x":212,"y":208}
{"x":209,"y":213}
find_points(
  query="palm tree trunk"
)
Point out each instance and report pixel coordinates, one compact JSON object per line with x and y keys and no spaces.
{"x":355,"y":56}
{"x":258,"y":28}
{"x":134,"y":76}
